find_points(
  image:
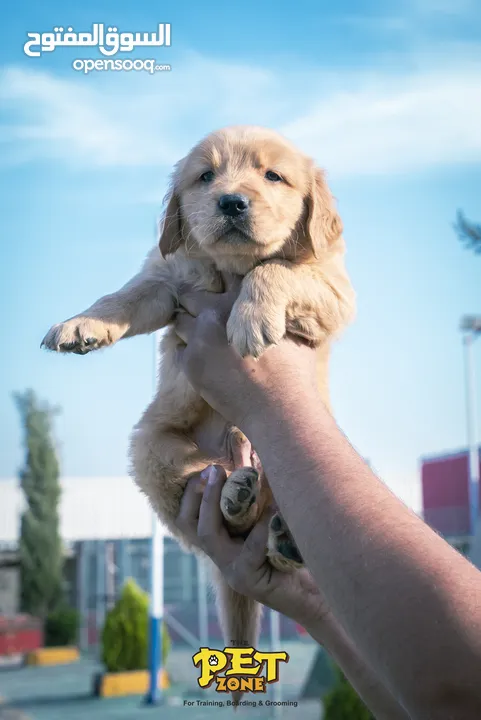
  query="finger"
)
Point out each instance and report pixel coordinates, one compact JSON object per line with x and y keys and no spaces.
{"x":211,"y":325}
{"x":254,"y":460}
{"x":210,"y":515}
{"x":212,"y":304}
{"x":211,"y":532}
{"x":190,"y":505}
{"x":195,"y":302}
{"x":184,"y":326}
{"x":241,"y":450}
{"x":253,"y":552}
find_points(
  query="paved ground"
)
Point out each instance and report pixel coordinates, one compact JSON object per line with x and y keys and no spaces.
{"x":65,"y":692}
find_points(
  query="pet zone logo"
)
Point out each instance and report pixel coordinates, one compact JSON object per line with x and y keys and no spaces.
{"x":238,"y":669}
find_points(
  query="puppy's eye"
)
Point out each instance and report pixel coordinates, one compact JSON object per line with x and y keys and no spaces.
{"x":207,"y":177}
{"x":272,"y":176}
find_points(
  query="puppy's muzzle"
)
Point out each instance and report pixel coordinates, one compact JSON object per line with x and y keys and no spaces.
{"x":234,"y":205}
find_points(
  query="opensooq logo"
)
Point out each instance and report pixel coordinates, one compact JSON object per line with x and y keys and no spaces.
{"x":108,"y":43}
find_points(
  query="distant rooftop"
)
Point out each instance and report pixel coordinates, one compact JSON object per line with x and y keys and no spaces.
{"x":446,"y":455}
{"x":91,"y":508}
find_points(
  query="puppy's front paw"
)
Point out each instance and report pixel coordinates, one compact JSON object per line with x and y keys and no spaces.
{"x":252,"y":328}
{"x":281,"y":548}
{"x":238,"y":498}
{"x":308,"y":327}
{"x":79,"y":335}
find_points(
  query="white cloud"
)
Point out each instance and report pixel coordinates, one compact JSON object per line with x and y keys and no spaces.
{"x":69,"y":120}
{"x":396,"y":124}
{"x":352,"y":122}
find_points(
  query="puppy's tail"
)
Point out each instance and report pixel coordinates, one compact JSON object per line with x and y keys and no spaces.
{"x":239,"y":617}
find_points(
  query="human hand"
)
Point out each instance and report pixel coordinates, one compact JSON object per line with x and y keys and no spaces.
{"x":218,"y":438}
{"x":235,"y":386}
{"x":243,"y":562}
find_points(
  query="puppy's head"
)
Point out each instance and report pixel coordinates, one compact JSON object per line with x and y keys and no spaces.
{"x":246,"y":191}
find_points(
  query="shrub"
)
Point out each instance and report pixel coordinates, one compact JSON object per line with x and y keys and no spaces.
{"x":61,"y":627}
{"x":343,"y":703}
{"x":125,"y":637}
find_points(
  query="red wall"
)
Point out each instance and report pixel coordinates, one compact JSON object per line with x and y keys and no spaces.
{"x":445,"y":493}
{"x":20,"y":634}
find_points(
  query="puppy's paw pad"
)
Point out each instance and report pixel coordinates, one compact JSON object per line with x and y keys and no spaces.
{"x":79,"y":336}
{"x":288,"y":549}
{"x":277,"y":525}
{"x":283,"y":552}
{"x":240,"y":492}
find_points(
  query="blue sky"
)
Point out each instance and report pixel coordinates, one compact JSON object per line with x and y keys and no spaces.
{"x":385,"y":96}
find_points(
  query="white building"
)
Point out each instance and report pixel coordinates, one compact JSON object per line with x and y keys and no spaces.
{"x":91,"y":508}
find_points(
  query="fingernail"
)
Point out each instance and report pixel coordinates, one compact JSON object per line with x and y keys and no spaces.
{"x":212,"y":475}
{"x":206,"y":472}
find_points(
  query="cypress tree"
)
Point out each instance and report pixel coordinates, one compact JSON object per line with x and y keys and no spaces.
{"x":40,"y":548}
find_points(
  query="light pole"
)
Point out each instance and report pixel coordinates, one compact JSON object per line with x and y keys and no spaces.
{"x":156,"y":587}
{"x":275,"y":628}
{"x":154,"y":694}
{"x":471,"y":327}
{"x":202,"y":603}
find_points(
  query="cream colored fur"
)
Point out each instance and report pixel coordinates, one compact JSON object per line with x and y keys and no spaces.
{"x":291,"y":254}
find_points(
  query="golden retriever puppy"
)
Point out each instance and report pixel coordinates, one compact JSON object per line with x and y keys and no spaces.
{"x":245,"y":201}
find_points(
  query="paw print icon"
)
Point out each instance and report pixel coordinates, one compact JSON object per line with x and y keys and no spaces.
{"x":213,"y":660}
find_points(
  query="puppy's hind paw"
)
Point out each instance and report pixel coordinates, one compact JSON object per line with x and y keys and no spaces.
{"x":282,"y":550}
{"x":238,"y":498}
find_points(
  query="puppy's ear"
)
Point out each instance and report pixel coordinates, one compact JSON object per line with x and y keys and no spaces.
{"x":171,"y":234}
{"x":323,"y":226}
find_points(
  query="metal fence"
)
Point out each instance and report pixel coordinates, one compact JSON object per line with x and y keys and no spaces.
{"x":102,"y":567}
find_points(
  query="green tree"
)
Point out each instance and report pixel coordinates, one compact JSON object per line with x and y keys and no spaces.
{"x":40,"y":550}
{"x":125,"y":637}
{"x":61,"y":627}
{"x":468,"y":233}
{"x":343,"y":703}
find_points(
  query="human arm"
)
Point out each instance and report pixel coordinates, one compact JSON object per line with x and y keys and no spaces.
{"x":245,"y":567}
{"x":409,"y":602}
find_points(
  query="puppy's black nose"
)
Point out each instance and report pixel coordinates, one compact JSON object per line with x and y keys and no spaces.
{"x":233,"y":205}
